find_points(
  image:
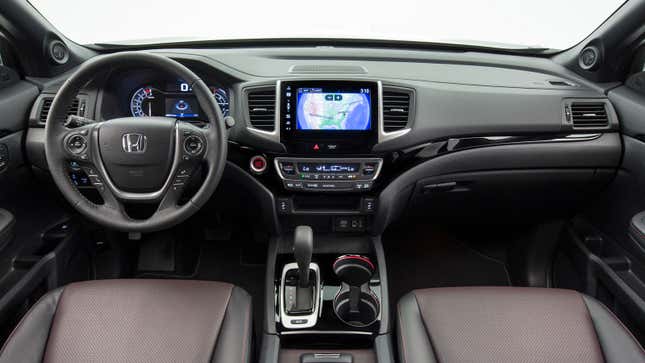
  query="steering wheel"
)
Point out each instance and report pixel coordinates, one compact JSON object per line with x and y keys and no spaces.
{"x":136,"y":159}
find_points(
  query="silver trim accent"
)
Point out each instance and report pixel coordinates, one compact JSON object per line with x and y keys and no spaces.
{"x":379,"y":161}
{"x":382,"y":135}
{"x":312,"y":318}
{"x":335,"y":332}
{"x":275,"y":134}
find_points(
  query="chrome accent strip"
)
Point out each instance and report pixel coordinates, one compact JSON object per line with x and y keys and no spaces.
{"x":457,"y":144}
{"x":312,"y":318}
{"x":335,"y":332}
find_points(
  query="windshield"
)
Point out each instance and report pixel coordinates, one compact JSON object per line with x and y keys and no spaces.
{"x":515,"y":24}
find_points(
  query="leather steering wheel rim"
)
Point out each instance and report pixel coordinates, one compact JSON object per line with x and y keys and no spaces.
{"x":111,"y":213}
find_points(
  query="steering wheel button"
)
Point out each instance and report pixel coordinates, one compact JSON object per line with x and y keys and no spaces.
{"x":193,"y":145}
{"x":76,"y":144}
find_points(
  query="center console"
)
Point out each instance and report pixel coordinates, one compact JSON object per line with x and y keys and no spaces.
{"x":330,"y":298}
{"x":327,"y":286}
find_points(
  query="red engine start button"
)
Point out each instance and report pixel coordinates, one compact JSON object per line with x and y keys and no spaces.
{"x":258,"y":164}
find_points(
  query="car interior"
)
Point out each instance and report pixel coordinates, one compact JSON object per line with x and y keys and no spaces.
{"x":319,"y":199}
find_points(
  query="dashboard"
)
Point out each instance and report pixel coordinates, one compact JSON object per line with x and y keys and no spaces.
{"x":373,"y":132}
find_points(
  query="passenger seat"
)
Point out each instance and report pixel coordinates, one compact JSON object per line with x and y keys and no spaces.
{"x":510,"y":324}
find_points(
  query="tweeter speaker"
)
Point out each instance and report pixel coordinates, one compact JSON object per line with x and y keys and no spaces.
{"x":58,"y":52}
{"x":589,"y":58}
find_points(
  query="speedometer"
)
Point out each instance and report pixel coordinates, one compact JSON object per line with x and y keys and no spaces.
{"x":146,"y":101}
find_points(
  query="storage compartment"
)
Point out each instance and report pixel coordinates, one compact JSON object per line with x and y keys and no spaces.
{"x":358,"y":312}
{"x":605,"y":270}
{"x":502,"y":193}
{"x":349,"y":203}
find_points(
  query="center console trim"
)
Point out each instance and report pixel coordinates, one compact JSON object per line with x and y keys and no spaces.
{"x":382,"y":135}
{"x":311,"y":319}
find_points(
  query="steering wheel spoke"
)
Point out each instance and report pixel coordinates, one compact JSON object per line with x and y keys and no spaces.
{"x":192,"y":144}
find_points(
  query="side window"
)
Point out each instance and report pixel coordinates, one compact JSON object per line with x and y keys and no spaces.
{"x":636,"y":79}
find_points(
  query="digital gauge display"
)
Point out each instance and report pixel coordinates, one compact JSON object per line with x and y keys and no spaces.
{"x":174,"y":100}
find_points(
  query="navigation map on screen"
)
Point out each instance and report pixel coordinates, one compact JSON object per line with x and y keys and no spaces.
{"x":345,"y":111}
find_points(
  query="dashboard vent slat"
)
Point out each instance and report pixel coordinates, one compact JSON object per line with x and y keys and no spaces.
{"x":74,"y":109}
{"x":585,"y":115}
{"x":261,"y":107}
{"x":396,"y":109}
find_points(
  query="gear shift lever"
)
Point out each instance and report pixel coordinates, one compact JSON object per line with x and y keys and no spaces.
{"x":303,"y":246}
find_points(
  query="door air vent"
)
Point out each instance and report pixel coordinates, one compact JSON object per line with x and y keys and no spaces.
{"x":587,"y":115}
{"x":261,"y":103}
{"x":76,"y":108}
{"x":396,"y":109}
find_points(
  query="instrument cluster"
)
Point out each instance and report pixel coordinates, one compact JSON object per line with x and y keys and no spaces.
{"x":173,"y":99}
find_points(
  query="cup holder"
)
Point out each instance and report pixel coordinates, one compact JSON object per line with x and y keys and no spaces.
{"x":364,"y":313}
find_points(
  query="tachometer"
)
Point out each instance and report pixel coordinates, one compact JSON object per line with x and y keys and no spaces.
{"x":146,"y":101}
{"x":221,"y":97}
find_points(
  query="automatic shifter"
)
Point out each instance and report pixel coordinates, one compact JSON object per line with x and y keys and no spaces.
{"x":300,"y":284}
{"x":303,"y":247}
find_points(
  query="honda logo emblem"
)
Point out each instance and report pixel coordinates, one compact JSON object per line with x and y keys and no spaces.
{"x":134,"y":143}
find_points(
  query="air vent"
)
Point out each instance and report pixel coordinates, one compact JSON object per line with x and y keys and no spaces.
{"x":74,"y":109}
{"x":262,"y":109}
{"x":396,"y":110}
{"x":561,"y":83}
{"x":585,"y":115}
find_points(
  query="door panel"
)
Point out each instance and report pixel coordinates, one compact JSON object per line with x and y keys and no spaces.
{"x":608,"y":262}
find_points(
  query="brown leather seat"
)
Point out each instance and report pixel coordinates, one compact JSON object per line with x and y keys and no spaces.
{"x":135,"y":321}
{"x":510,"y":324}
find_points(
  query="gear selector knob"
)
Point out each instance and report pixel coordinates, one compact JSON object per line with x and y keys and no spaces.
{"x":303,"y":246}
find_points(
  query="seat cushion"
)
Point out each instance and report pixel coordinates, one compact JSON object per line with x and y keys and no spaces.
{"x":135,"y":320}
{"x":510,"y":324}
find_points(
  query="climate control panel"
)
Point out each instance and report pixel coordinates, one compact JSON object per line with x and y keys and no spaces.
{"x":335,"y":175}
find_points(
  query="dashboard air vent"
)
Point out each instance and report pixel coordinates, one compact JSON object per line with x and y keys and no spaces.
{"x":588,"y":115}
{"x":74,"y":109}
{"x":261,"y":104}
{"x":396,"y":110}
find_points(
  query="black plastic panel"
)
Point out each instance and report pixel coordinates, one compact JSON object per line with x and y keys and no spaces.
{"x":601,"y":153}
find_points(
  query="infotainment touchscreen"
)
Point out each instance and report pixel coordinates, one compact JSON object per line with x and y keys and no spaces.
{"x":333,"y":110}
{"x":329,"y":116}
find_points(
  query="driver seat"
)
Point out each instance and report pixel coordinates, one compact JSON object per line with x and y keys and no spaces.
{"x":135,"y":321}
